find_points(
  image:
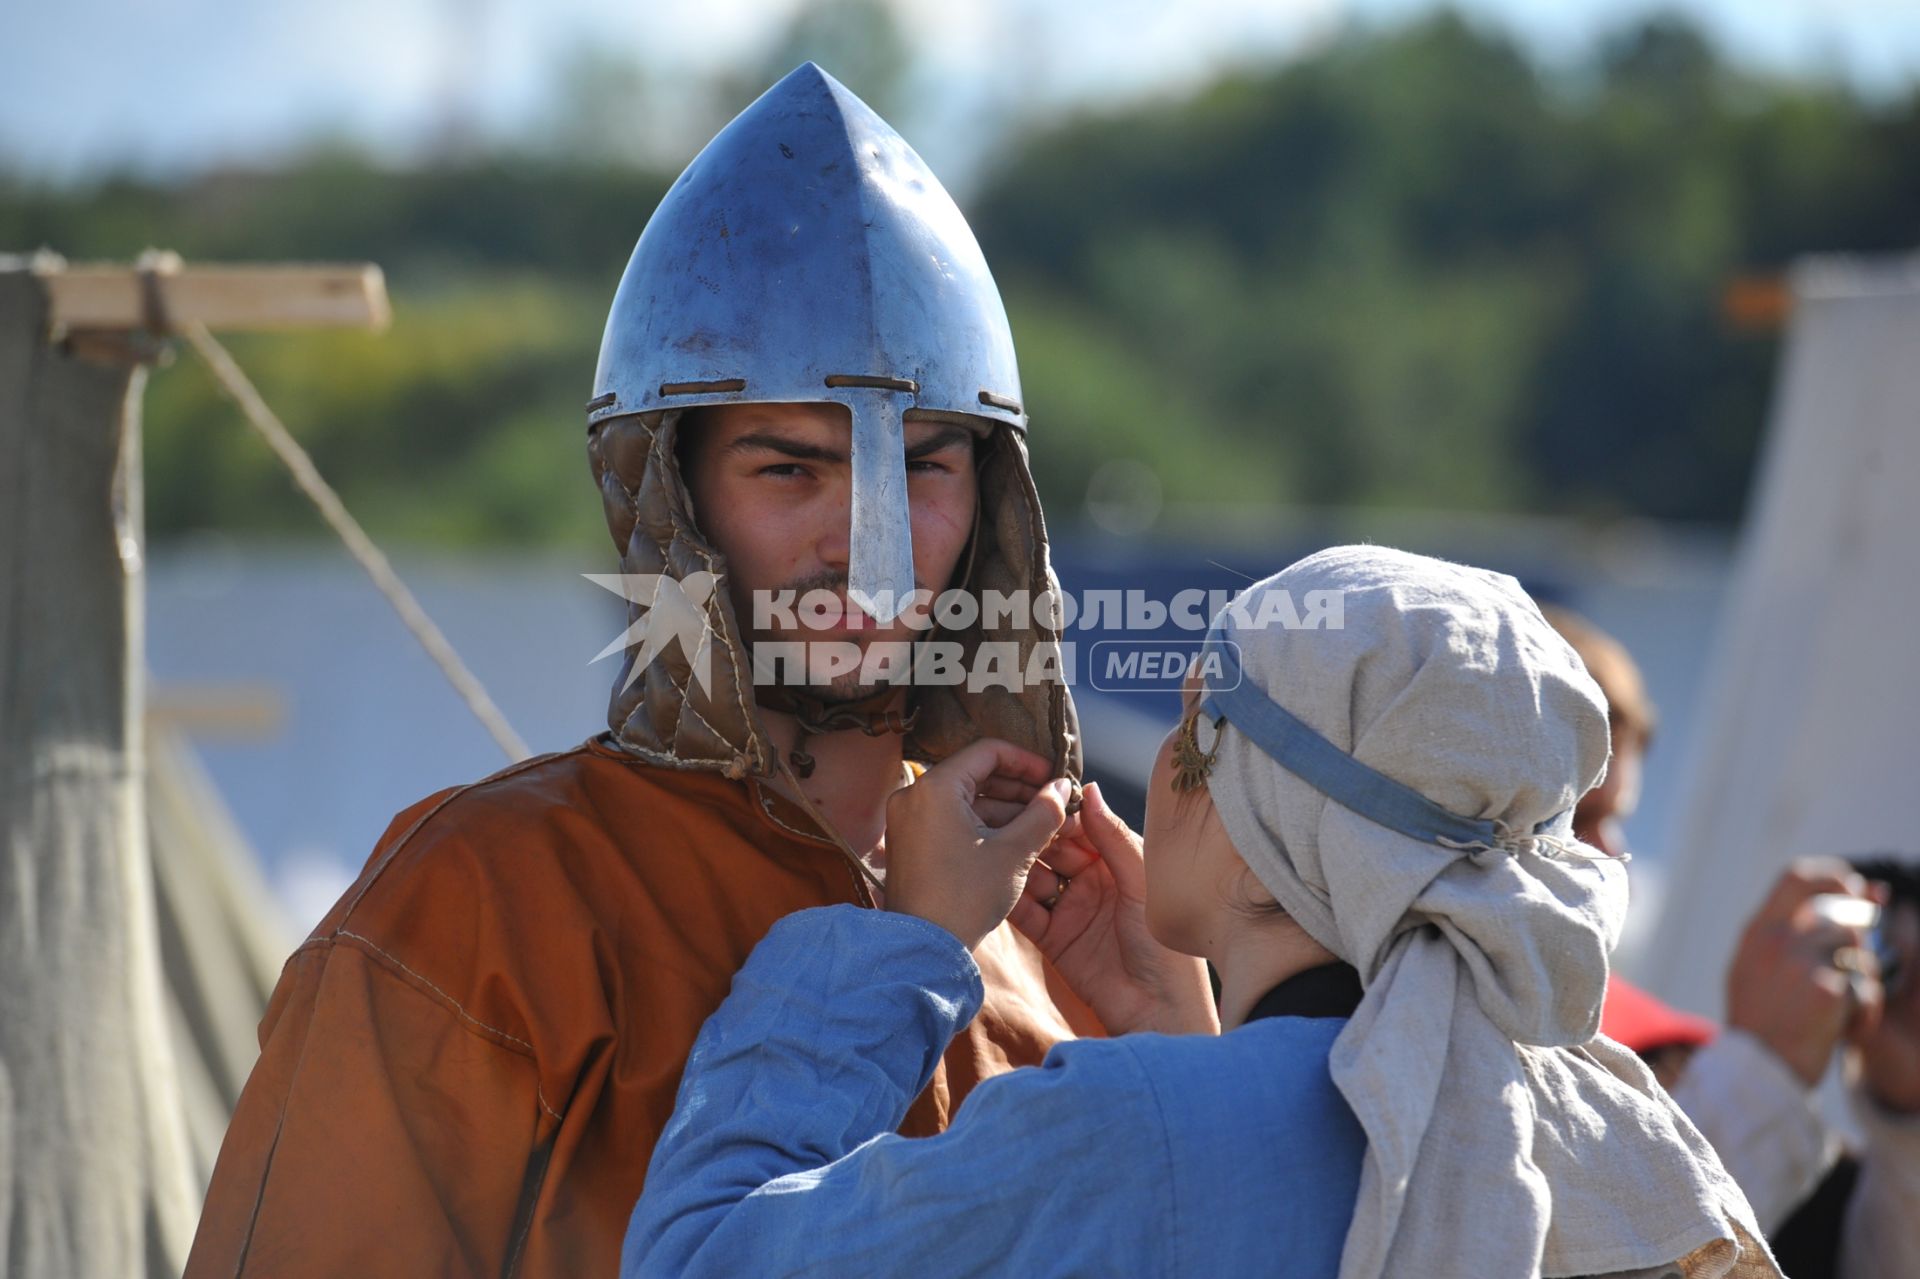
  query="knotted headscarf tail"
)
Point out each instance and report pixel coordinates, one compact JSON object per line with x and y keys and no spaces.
{"x":1408,"y":805}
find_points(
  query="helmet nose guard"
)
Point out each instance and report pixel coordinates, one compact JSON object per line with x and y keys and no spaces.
{"x":809,"y":255}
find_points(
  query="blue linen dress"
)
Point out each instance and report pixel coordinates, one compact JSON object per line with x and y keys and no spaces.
{"x":1140,"y":1155}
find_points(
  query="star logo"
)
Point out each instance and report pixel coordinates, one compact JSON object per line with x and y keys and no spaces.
{"x":676,"y":612}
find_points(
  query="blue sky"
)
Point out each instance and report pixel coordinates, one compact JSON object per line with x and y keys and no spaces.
{"x":172,"y":85}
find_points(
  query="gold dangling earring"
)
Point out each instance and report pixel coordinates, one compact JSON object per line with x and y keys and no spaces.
{"x":1191,"y":765}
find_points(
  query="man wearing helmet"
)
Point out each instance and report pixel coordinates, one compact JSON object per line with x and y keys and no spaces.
{"x":807,"y":384}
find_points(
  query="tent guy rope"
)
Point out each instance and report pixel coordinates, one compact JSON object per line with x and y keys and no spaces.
{"x":307,"y":477}
{"x":160,"y":296}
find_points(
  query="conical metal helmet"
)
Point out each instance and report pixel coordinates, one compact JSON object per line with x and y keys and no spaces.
{"x":808,"y":254}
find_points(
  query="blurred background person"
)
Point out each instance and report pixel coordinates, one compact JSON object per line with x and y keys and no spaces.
{"x":1802,"y":990}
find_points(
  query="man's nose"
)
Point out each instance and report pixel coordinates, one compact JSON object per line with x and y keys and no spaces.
{"x":835,"y":538}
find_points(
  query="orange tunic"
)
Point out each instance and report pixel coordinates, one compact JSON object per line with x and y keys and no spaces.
{"x":465,"y":1067}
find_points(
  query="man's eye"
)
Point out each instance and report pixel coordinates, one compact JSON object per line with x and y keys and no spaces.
{"x":784,"y":470}
{"x":925,"y":466}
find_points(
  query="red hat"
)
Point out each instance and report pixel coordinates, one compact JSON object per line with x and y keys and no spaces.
{"x":1641,"y":1022}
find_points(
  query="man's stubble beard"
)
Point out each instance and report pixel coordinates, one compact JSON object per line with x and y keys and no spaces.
{"x":842,"y":689}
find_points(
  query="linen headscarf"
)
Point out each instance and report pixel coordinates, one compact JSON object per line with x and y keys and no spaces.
{"x":1505,"y":1137}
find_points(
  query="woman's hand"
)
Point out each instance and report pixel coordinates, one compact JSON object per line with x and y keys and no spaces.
{"x":1095,"y":930}
{"x":948,"y":859}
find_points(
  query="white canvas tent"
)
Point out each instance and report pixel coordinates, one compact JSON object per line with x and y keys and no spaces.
{"x":96,"y":1173}
{"x":222,"y":940}
{"x":137,"y":943}
{"x":1809,"y":737}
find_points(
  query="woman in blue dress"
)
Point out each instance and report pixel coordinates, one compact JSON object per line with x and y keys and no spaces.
{"x":1364,"y":825}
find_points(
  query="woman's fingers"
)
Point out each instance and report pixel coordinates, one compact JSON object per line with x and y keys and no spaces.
{"x":995,"y":779}
{"x":996,"y":813}
{"x":1061,"y":861}
{"x":973,"y":766}
{"x":1032,"y":920}
{"x":1045,"y":900}
{"x":1002,"y":786}
{"x":947,"y":862}
{"x":1069,"y":856}
{"x":1115,"y":841}
{"x":1045,"y":885}
{"x":1028,"y":834}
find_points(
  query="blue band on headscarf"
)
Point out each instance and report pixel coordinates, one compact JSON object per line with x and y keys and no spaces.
{"x":1333,"y":772}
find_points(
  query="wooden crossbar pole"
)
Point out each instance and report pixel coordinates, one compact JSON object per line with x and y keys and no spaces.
{"x":221,"y":298}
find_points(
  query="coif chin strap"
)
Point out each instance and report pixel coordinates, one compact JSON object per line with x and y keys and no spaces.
{"x":870,"y":715}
